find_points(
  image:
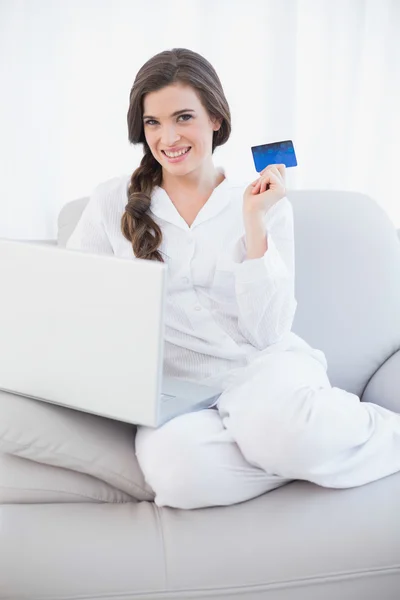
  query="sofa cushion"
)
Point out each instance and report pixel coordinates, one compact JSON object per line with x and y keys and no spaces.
{"x":298,"y":542}
{"x":26,"y":482}
{"x":63,"y":437}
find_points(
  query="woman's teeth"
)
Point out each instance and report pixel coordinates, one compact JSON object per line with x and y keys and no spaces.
{"x":176,"y":154}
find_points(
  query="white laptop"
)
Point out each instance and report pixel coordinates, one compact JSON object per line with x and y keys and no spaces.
{"x":86,"y":331}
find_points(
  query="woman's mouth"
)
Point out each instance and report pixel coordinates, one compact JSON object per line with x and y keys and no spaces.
{"x":179,"y":158}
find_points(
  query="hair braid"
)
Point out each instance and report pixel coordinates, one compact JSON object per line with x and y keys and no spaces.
{"x":137,"y":225}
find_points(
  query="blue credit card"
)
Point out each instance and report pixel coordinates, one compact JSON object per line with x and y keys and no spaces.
{"x":277,"y":153}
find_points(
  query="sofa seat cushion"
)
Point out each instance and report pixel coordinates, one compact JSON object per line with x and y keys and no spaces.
{"x":298,"y":542}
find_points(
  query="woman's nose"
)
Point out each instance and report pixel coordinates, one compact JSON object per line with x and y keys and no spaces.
{"x":169,"y":137}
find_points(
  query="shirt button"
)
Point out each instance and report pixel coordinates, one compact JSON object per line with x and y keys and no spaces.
{"x":185,"y":279}
{"x":197,"y":307}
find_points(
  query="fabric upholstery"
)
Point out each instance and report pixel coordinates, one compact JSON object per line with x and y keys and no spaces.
{"x":28,"y":482}
{"x":347,"y":283}
{"x":299,"y":542}
{"x":384,"y":386}
{"x":82,"y":442}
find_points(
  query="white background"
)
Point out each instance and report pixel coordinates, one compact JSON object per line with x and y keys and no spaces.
{"x":324,"y":74}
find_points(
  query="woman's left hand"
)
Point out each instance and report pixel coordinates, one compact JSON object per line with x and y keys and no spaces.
{"x":265,"y":191}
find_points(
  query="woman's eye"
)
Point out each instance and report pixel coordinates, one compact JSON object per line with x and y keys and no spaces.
{"x":151,"y":121}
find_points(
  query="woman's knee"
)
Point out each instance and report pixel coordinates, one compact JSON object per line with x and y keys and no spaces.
{"x":172,"y":458}
{"x":294,"y":443}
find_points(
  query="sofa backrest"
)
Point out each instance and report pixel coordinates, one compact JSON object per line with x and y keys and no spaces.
{"x":68,"y":219}
{"x":347,"y":280}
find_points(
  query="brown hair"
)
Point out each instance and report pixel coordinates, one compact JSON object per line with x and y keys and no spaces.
{"x":168,"y":67}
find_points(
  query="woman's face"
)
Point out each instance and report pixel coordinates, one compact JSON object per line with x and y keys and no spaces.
{"x":166,"y":132}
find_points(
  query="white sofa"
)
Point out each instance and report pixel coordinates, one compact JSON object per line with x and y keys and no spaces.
{"x":80,"y":524}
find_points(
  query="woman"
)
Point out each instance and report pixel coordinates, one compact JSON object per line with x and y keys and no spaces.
{"x":230,"y":308}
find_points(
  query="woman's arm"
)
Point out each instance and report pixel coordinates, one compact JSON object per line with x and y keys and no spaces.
{"x":265,"y":275}
{"x":256,"y":240}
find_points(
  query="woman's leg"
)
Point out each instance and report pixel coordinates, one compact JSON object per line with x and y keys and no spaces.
{"x":287,"y":419}
{"x":193,"y":462}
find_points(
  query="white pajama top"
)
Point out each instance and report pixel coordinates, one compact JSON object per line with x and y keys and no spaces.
{"x":222,"y":311}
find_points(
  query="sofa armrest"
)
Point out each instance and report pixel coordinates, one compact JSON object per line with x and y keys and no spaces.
{"x":384,"y":386}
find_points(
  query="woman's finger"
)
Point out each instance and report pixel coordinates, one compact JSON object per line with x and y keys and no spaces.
{"x":263,"y":183}
{"x":274,"y":169}
{"x":279,"y":167}
{"x":261,"y":186}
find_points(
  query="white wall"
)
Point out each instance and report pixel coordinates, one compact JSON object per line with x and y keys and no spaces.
{"x":325,"y":74}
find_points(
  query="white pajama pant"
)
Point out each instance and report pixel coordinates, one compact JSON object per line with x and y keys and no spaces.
{"x":280,"y":420}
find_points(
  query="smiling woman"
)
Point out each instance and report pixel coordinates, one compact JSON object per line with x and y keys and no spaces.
{"x":179,"y":112}
{"x":229,"y":309}
{"x":182,"y":137}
